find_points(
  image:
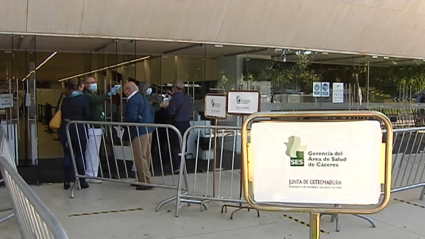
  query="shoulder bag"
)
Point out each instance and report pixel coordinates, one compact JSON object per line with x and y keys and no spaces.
{"x":56,"y":121}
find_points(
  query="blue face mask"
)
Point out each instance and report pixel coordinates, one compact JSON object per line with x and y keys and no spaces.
{"x":149,"y":91}
{"x":93,"y":87}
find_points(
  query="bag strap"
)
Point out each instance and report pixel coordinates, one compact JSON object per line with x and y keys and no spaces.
{"x":60,"y":104}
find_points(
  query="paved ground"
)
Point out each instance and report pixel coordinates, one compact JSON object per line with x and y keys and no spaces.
{"x":399,"y":221}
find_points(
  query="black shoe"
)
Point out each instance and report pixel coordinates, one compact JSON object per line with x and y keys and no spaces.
{"x":84,"y":185}
{"x":143,"y":188}
{"x":66,"y":185}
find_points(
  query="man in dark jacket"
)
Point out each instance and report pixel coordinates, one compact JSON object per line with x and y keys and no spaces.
{"x":139,"y":110}
{"x":95,"y":131}
{"x":180,"y":112}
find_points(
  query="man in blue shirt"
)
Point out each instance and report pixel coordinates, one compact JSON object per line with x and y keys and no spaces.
{"x":179,"y":110}
{"x":139,"y":110}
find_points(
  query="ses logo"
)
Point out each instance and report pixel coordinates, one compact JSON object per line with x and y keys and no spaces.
{"x":295,"y":151}
{"x":215,"y":104}
{"x":241,"y":101}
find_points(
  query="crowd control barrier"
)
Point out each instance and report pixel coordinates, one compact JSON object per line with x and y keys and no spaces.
{"x":115,"y":159}
{"x":34,"y":219}
{"x":408,"y":168}
{"x":222,"y":183}
{"x":8,"y":216}
{"x":214,"y":173}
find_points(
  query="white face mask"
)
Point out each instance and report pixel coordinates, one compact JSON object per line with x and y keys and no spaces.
{"x":93,"y":87}
{"x":149,"y":91}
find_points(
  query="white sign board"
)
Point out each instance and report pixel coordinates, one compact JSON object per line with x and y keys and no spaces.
{"x":317,"y":89}
{"x":317,"y":162}
{"x":6,"y":101}
{"x":243,"y":102}
{"x":337,"y":92}
{"x":325,"y":89}
{"x":215,"y":106}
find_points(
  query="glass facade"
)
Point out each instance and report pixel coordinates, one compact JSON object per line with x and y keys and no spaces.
{"x":35,"y":67}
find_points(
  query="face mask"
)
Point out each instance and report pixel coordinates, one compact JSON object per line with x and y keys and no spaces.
{"x":93,"y":87}
{"x":149,"y":91}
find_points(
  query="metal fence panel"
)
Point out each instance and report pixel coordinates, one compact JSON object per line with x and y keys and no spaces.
{"x":214,"y":170}
{"x":119,"y":155}
{"x":408,"y":159}
{"x":34,"y":219}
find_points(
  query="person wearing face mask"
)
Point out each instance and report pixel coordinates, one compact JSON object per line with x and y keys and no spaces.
{"x":95,"y":132}
{"x":74,"y":106}
{"x":139,"y":110}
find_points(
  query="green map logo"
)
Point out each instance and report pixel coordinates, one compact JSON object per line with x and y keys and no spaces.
{"x":295,"y":151}
{"x":239,"y":100}
{"x":215,"y":104}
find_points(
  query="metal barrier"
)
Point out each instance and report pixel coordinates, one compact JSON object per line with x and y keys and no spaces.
{"x":34,"y":219}
{"x":408,"y":160}
{"x":206,"y":182}
{"x":223,"y":184}
{"x":9,"y":216}
{"x":116,"y":156}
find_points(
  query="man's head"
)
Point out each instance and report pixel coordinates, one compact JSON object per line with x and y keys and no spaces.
{"x":90,"y":83}
{"x":129,"y":88}
{"x":177,"y":86}
{"x":145,"y":88}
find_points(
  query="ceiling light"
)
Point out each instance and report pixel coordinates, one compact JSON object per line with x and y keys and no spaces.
{"x":307,"y":52}
{"x":106,"y":68}
{"x":386,"y":57}
{"x":324,"y":53}
{"x":41,"y":64}
{"x":218,"y":45}
{"x":375,"y":57}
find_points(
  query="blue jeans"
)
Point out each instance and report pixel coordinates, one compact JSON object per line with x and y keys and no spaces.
{"x":79,"y":149}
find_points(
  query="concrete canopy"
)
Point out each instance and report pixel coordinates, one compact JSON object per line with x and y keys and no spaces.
{"x":382,"y":27}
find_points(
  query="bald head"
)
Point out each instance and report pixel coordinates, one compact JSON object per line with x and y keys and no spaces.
{"x":129,"y":88}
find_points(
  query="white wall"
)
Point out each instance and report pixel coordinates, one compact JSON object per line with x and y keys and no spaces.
{"x":365,"y":26}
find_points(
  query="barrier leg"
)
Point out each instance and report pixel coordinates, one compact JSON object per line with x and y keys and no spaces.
{"x":335,"y":218}
{"x":76,"y":184}
{"x":6,"y":218}
{"x":314,"y":225}
{"x":370,"y":220}
{"x":422,"y":193}
{"x":163,"y":202}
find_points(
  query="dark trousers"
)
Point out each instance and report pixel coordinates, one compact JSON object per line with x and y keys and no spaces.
{"x":182,"y":126}
{"x":160,"y":150}
{"x":79,"y":149}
